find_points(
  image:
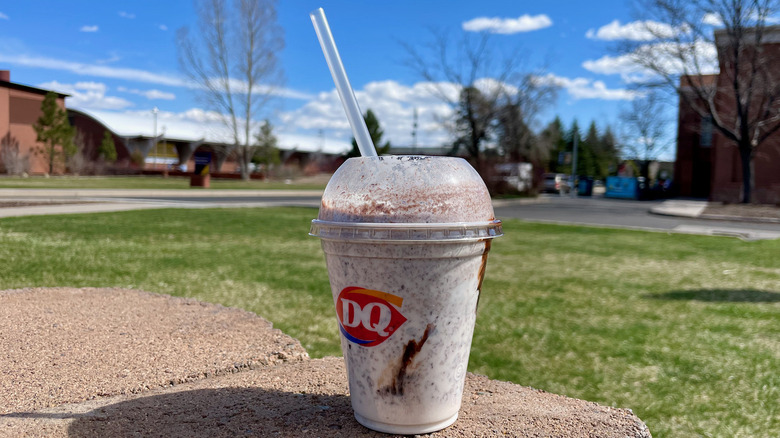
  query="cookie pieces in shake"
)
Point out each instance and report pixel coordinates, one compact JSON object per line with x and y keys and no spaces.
{"x":406,"y":240}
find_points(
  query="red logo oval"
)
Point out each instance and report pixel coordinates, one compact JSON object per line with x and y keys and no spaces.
{"x":368,"y":317}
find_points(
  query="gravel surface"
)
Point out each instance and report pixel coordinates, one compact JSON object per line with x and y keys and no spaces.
{"x":125,"y":363}
{"x":68,"y":345}
{"x":310,"y":399}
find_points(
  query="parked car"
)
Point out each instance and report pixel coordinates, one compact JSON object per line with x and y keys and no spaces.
{"x":556,"y":183}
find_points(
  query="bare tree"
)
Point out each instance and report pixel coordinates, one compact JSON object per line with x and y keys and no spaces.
{"x":516,"y":115}
{"x":743,"y":102}
{"x":232,"y":61}
{"x":11,"y":159}
{"x":79,"y":163}
{"x":479,"y":85}
{"x":645,"y":125}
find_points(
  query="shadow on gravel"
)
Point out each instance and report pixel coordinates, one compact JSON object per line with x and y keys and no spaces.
{"x":223,"y":412}
{"x":719,"y":295}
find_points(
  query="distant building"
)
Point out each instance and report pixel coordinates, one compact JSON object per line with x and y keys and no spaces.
{"x":157,"y":153}
{"x":708,"y":164}
{"x":20,"y":107}
{"x":136,"y":144}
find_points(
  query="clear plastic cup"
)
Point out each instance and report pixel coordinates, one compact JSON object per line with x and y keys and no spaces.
{"x":406,"y":242}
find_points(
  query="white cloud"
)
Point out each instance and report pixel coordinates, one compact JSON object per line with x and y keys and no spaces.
{"x":583,"y":88}
{"x":149,"y":94}
{"x":127,"y":15}
{"x":113,"y":57}
{"x":712,"y":19}
{"x":90,"y":95}
{"x":523,"y":23}
{"x":630,"y":71}
{"x":93,"y":28}
{"x":3,"y":16}
{"x":610,"y":65}
{"x":157,"y":94}
{"x":634,"y":31}
{"x":394,"y":106}
{"x":93,"y":70}
{"x":162,"y":27}
{"x":130,"y":74}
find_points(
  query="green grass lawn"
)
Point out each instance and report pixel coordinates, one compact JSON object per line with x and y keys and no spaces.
{"x":684,"y":330}
{"x":145,"y":182}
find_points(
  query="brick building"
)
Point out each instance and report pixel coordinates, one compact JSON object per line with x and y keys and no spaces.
{"x":20,"y":107}
{"x":138,"y":144}
{"x":708,"y":164}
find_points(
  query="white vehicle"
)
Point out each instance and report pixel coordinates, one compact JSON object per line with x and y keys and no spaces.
{"x":556,"y":183}
{"x":516,"y":175}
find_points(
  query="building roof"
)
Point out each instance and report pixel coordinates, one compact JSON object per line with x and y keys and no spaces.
{"x":29,"y":89}
{"x":770,"y":34}
{"x":174,"y":128}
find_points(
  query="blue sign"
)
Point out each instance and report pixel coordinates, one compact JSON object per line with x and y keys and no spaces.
{"x":202,"y":158}
{"x":621,"y":187}
{"x":202,"y":161}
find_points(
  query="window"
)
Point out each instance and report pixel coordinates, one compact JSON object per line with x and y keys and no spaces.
{"x":705,"y":137}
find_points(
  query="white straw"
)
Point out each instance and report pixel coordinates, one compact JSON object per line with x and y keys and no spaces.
{"x":346,"y":94}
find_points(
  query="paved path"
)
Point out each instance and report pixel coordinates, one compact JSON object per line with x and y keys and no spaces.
{"x":103,"y":200}
{"x":682,"y":216}
{"x":123,"y":363}
{"x":679,"y":216}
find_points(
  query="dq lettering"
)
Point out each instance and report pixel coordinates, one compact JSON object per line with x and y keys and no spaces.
{"x":368,"y":317}
{"x":354,"y":315}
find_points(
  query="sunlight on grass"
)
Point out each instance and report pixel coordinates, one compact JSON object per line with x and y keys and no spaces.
{"x":681,"y":329}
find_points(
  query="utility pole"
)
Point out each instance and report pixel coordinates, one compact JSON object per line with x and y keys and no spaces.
{"x":156,"y":157}
{"x":574,"y":165}
{"x":165,"y":152}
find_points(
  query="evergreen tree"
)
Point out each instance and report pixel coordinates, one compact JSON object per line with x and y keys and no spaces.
{"x":107,"y":149}
{"x":267,"y":152}
{"x":54,"y":131}
{"x":375,"y":131}
{"x":555,"y":141}
{"x":588,"y":153}
{"x":608,"y":163}
{"x":574,"y":131}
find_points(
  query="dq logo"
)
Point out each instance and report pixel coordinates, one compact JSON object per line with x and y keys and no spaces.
{"x":368,"y":317}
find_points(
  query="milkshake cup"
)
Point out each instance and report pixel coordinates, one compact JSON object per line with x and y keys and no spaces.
{"x":406,"y":240}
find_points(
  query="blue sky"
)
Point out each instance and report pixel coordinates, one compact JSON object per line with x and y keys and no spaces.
{"x":118,"y":60}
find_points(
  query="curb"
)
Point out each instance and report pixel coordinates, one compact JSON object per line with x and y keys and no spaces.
{"x":151,"y":193}
{"x":760,"y":220}
{"x":696,"y":211}
{"x":518,"y":201}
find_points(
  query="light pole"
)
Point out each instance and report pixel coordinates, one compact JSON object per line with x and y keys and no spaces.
{"x":574,"y":166}
{"x":155,"y":111}
{"x":165,"y":151}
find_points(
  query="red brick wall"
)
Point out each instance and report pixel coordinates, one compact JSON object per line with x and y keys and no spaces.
{"x":727,"y":168}
{"x":716,"y":172}
{"x":18,"y":112}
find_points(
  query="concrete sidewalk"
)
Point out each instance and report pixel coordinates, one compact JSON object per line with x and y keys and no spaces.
{"x":124,"y":363}
{"x":716,"y":211}
{"x":65,"y":201}
{"x":72,"y":201}
{"x":133,"y":193}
